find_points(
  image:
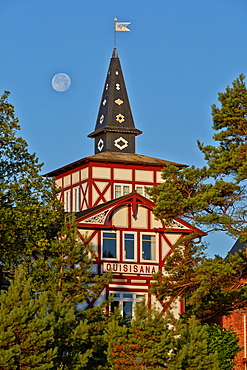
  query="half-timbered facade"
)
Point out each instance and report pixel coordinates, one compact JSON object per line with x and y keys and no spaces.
{"x":107,"y":191}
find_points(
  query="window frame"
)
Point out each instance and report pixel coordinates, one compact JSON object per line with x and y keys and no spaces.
{"x":135,"y":246}
{"x":121,"y":189}
{"x":121,"y":299}
{"x":76,"y":199}
{"x":144,"y":193}
{"x":67,"y":201}
{"x":155,"y":251}
{"x":117,"y":245}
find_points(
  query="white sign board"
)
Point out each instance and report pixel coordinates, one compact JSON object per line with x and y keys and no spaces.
{"x":127,"y":268}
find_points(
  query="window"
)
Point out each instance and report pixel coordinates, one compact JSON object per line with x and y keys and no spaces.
{"x":141,"y":190}
{"x":109,"y":245}
{"x":148,"y":247}
{"x":126,"y":301}
{"x":129,"y":246}
{"x":67,"y":206}
{"x":77,"y":199}
{"x":121,"y":190}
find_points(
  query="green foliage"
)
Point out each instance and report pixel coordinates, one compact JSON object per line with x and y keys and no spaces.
{"x":214,"y":196}
{"x":71,"y":336}
{"x":97,"y":341}
{"x":41,"y":324}
{"x":145,"y":344}
{"x":65,"y":274}
{"x":210,"y":286}
{"x":230,"y":122}
{"x":26,"y":328}
{"x":29,"y":213}
{"x":154,"y":341}
{"x":66,"y":269}
{"x":64,"y":277}
{"x":32,"y":220}
{"x":39,"y":335}
{"x":225,"y":343}
{"x":191,"y":351}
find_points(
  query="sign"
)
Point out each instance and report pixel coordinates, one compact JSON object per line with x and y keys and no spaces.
{"x":127,"y":268}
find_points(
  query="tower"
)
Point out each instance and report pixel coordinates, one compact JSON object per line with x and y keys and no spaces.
{"x":115,"y":129}
{"x":107,"y":193}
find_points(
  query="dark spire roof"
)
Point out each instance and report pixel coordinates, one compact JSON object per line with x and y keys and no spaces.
{"x":115,"y":129}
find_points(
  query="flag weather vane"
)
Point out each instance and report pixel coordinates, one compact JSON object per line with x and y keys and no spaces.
{"x":119,"y":26}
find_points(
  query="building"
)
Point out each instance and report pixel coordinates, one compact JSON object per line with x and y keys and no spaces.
{"x":237,"y":320}
{"x":107,"y":193}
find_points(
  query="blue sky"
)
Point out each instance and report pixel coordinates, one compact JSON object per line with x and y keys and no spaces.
{"x":177,"y":57}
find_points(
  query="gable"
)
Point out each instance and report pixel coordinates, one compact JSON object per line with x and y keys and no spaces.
{"x":131,"y":211}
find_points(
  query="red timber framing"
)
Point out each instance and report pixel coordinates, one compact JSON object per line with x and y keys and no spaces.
{"x":97,"y":180}
{"x":107,"y":193}
{"x":128,"y":222}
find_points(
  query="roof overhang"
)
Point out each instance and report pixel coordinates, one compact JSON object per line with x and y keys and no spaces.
{"x":112,"y":157}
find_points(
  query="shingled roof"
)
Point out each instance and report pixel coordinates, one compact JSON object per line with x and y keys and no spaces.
{"x":113,"y":157}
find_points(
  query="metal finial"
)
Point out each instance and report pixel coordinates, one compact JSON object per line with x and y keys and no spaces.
{"x":115,"y":38}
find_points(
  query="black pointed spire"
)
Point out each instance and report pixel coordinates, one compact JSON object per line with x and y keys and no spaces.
{"x":115,"y":129}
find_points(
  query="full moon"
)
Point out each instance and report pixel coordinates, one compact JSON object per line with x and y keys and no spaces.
{"x":61,"y":82}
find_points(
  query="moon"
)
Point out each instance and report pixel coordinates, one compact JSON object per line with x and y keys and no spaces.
{"x":61,"y":82}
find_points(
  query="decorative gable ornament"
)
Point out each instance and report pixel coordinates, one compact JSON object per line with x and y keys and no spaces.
{"x":98,"y":219}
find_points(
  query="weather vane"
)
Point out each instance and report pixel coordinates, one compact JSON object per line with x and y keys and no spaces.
{"x":119,"y":26}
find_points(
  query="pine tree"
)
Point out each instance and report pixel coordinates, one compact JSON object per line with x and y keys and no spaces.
{"x":146,"y":344}
{"x":210,"y":286}
{"x":32,"y":222}
{"x":71,"y":336}
{"x":213,"y":198}
{"x":65,"y":274}
{"x":191,"y":351}
{"x":154,"y":341}
{"x":223,"y":342}
{"x":26,"y":328}
{"x":29,"y":212}
{"x":66,"y":269}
